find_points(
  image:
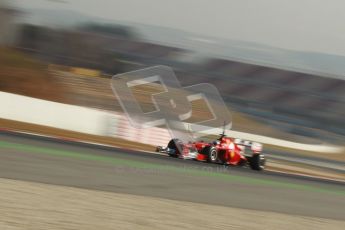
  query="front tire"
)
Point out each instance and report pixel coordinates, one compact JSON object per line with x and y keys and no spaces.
{"x":212,"y":154}
{"x":173,"y":145}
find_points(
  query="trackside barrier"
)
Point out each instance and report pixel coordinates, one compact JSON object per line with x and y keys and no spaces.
{"x":123,"y":129}
{"x":321,"y":148}
{"x":76,"y":118}
{"x":52,"y":114}
{"x":105,"y":123}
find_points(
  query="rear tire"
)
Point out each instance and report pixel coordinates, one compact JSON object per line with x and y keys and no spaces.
{"x":257,"y":162}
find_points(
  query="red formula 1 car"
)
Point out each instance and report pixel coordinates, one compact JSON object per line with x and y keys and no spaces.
{"x":224,"y":150}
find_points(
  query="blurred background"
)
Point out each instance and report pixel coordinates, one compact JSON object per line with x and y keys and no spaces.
{"x":281,"y":77}
{"x":64,"y":139}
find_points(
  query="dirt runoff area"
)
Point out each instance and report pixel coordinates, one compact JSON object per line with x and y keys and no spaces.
{"x":27,"y":205}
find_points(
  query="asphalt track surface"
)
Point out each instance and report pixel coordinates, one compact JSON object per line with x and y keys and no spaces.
{"x":28,"y":158}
